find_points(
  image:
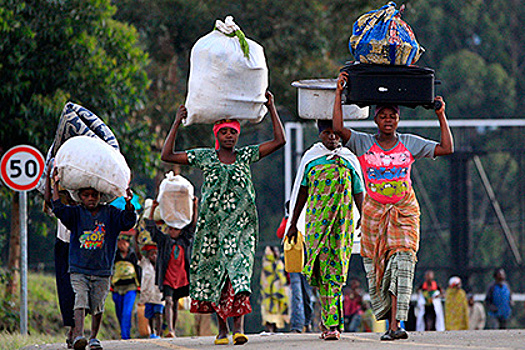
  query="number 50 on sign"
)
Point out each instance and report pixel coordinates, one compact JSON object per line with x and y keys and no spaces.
{"x":21,"y":167}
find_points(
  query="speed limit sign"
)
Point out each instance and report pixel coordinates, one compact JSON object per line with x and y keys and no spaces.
{"x":21,"y":167}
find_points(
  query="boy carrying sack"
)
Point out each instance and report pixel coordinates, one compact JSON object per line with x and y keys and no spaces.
{"x":94,"y":230}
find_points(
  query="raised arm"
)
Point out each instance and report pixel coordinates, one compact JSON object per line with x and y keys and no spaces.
{"x":168,"y":154}
{"x":446,"y":146}
{"x":337,"y":121}
{"x":279,"y":139}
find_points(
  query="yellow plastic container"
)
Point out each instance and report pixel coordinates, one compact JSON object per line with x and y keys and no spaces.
{"x":144,"y":330}
{"x":294,"y":254}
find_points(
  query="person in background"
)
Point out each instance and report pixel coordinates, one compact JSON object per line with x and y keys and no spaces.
{"x":227,"y":229}
{"x":274,"y":296}
{"x":66,"y":295}
{"x":94,"y":231}
{"x":499,"y":301}
{"x":456,"y":306}
{"x":391,"y":213}
{"x":173,"y":263}
{"x":430,"y":290}
{"x":367,"y":318}
{"x":476,"y":314}
{"x":125,"y":283}
{"x":150,"y":294}
{"x":353,"y":300}
{"x":327,"y":185}
{"x":301,"y":298}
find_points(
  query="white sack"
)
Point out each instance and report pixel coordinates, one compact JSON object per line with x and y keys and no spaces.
{"x":76,"y":120}
{"x":175,"y":200}
{"x":84,"y":161}
{"x":223,"y":82}
{"x":148,"y":204}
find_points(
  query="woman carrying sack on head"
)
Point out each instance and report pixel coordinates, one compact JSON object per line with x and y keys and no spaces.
{"x":227,"y":227}
{"x":390,"y":223}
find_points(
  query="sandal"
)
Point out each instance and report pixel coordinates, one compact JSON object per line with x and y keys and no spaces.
{"x":331,"y":335}
{"x":221,"y":341}
{"x":239,"y":339}
{"x":80,"y":343}
{"x":94,"y":344}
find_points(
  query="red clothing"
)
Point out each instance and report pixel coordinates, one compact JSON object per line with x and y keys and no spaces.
{"x":352,"y":304}
{"x":282,"y":228}
{"x":176,"y":273}
{"x":230,"y":304}
{"x":429,"y":287}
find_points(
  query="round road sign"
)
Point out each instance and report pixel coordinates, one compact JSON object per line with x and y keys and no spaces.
{"x":21,"y":167}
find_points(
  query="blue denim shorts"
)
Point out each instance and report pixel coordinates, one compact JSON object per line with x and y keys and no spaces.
{"x":152,"y":309}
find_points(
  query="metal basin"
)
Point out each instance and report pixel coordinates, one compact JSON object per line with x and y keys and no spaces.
{"x":315,"y":100}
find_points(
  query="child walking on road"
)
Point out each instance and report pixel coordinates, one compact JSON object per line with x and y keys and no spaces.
{"x":173,"y":263}
{"x":94,"y":230}
{"x":227,"y":229}
{"x":390,"y":223}
{"x":150,"y":294}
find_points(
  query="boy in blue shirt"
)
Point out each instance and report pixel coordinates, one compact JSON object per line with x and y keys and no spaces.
{"x":94,"y":230}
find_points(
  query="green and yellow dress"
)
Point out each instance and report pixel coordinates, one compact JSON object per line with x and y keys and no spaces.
{"x":331,"y":181}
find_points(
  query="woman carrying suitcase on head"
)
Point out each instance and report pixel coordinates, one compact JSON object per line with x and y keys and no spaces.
{"x":390,"y":223}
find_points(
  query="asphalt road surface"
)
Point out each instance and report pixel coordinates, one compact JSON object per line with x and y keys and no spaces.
{"x":450,"y":340}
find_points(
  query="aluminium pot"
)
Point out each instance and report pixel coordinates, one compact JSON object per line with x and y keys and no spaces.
{"x":315,"y":100}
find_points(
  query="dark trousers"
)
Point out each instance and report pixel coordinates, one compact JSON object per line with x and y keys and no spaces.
{"x":66,"y":296}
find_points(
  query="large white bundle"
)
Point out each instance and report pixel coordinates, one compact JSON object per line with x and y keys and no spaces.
{"x":84,"y":161}
{"x":76,"y":120}
{"x":228,"y":77}
{"x":175,"y":200}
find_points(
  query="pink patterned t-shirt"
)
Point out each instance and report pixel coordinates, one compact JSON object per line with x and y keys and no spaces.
{"x":387,"y":172}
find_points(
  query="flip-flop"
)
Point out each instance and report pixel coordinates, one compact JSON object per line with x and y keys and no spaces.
{"x":222,"y":341}
{"x":94,"y":344}
{"x":80,"y":343}
{"x":239,"y":339}
{"x":332,"y":335}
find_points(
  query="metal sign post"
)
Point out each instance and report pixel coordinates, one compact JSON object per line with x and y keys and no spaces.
{"x":23,"y":263}
{"x":21,"y":168}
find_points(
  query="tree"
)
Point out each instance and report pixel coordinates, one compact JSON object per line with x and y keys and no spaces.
{"x":55,"y":51}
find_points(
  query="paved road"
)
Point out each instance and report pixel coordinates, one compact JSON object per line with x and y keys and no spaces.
{"x":460,"y":340}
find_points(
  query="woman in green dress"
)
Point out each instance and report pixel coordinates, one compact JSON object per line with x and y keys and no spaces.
{"x":227,"y":228}
{"x":328,"y":183}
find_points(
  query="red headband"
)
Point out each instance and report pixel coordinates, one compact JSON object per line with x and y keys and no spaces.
{"x":234,"y":124}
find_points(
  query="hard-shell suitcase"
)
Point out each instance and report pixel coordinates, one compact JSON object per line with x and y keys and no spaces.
{"x":372,"y":84}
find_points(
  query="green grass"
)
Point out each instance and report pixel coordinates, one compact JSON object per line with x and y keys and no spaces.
{"x":45,"y":321}
{"x":9,"y":341}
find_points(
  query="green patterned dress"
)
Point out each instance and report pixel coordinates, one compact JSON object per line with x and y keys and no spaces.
{"x":329,"y":231}
{"x":227,"y":227}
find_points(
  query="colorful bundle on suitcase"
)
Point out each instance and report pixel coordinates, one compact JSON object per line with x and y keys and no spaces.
{"x":382,"y":37}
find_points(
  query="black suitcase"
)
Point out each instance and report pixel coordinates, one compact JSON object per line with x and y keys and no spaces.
{"x":372,"y":84}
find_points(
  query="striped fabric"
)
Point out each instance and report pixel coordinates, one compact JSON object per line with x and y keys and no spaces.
{"x":387,"y":229}
{"x":397,"y":280}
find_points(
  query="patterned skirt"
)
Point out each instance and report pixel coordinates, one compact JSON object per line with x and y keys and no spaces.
{"x":229,"y":305}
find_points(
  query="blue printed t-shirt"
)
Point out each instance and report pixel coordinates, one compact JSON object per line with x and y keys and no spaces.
{"x":387,"y":172}
{"x":357,"y":184}
{"x":93,"y":237}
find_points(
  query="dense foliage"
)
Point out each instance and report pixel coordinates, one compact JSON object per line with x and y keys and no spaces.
{"x":102,"y":56}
